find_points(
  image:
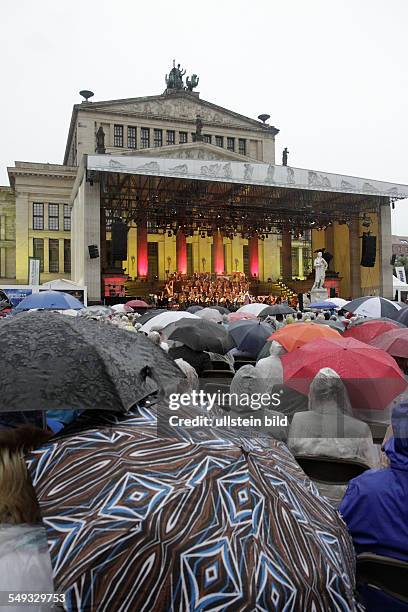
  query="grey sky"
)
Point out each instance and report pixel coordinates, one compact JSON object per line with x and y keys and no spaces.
{"x":332,"y":74}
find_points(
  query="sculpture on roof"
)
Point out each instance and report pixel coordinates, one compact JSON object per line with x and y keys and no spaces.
{"x":175,"y":78}
{"x":198,"y":136}
{"x":100,"y":140}
{"x":193,"y":82}
{"x":285,"y":154}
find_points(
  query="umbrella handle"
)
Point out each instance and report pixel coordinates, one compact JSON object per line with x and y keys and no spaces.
{"x":147,"y":372}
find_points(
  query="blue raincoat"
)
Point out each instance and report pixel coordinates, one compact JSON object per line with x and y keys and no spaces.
{"x":375,"y":506}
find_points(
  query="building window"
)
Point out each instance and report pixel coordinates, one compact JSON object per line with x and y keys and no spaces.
{"x":145,"y":138}
{"x":131,"y":137}
{"x":242,"y":146}
{"x":38,"y":215}
{"x":158,"y":138}
{"x":231,"y":144}
{"x":182,"y":137}
{"x":219,"y":141}
{"x":53,"y":217}
{"x":67,"y":255}
{"x":67,"y":218}
{"x":207,"y":138}
{"x":53,"y":255}
{"x":118,"y":135}
{"x":38,"y":251}
{"x":171,"y":137}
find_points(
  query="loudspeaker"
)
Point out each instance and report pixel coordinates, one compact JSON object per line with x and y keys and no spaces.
{"x":368,"y":251}
{"x":332,"y":292}
{"x":392,"y":260}
{"x":119,"y":241}
{"x":93,"y":251}
{"x":300,"y":301}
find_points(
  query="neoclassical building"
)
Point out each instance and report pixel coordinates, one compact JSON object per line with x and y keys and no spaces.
{"x":199,"y":189}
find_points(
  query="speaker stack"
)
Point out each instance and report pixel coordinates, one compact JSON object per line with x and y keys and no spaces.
{"x":119,"y":241}
{"x":368,"y":251}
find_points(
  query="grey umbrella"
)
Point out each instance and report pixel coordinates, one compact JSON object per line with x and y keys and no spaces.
{"x":52,"y":362}
{"x":202,"y":335}
{"x":283,"y":309}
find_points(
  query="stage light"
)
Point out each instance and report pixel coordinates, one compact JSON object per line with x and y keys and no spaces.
{"x":169,"y":233}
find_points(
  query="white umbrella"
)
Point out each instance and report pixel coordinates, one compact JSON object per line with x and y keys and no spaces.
{"x":165,"y":319}
{"x":373,"y":307}
{"x":210,"y":314}
{"x":122,"y":308}
{"x":255,"y":308}
{"x":340,"y":302}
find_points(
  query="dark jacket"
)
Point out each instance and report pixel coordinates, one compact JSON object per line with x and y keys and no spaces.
{"x":198,"y":359}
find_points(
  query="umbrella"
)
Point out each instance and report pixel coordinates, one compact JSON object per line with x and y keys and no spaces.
{"x":340,"y":302}
{"x":370,"y":329}
{"x":165,"y":319}
{"x":337,"y":325}
{"x":140,"y":522}
{"x":49,"y":300}
{"x":202,"y":335}
{"x":293,"y":336}
{"x":122,"y":308}
{"x":50,"y":362}
{"x":371,"y":376}
{"x":255,"y":308}
{"x":145,"y":317}
{"x":221,"y":309}
{"x":323,"y":305}
{"x":283,"y":309}
{"x":240,"y":316}
{"x":250,"y":336}
{"x":194,"y":309}
{"x":401,"y":316}
{"x":137,"y":304}
{"x":372,"y":307}
{"x":394,"y":341}
{"x":97,"y":311}
{"x":210,"y":314}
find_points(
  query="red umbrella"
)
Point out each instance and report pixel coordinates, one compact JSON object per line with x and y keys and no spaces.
{"x":137,"y":304}
{"x":367,"y":331}
{"x":394,"y":341}
{"x":372,"y":377}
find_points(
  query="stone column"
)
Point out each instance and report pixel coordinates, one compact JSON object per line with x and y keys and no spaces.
{"x":355,"y":258}
{"x":286,"y":253}
{"x":181,"y":252}
{"x":385,"y":238}
{"x":142,"y":264}
{"x":300,"y":261}
{"x":218,"y":250}
{"x":253,"y":256}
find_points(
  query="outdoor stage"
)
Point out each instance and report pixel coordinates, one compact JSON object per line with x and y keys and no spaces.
{"x":198,"y":215}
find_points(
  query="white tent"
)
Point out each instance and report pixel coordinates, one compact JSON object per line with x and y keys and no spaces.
{"x":63,"y":284}
{"x":398,"y":287}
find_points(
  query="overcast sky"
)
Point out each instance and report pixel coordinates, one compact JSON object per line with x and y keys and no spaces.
{"x":331,"y":73}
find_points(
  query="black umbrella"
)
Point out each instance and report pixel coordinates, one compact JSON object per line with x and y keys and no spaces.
{"x":283,"y":309}
{"x":401,"y":316}
{"x":149,"y":315}
{"x":53,"y":362}
{"x":202,"y":335}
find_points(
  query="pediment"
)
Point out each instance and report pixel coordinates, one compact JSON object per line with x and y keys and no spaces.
{"x":193,"y":150}
{"x":178,"y":106}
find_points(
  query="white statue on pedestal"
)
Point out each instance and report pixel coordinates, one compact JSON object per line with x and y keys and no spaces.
{"x":320,"y":266}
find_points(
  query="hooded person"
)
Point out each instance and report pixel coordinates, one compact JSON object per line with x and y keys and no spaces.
{"x":192,"y":382}
{"x":270,"y":368}
{"x":329,"y":430}
{"x":249,"y":396}
{"x":375,"y":508}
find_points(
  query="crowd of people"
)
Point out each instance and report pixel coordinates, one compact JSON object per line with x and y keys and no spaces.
{"x":321,"y":425}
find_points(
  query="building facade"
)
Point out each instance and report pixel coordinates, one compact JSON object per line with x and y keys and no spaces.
{"x":178,"y":125}
{"x":7,"y":235}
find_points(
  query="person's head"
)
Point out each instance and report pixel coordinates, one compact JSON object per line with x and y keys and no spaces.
{"x":290,"y":319}
{"x":326,"y":391}
{"x":319,"y":254}
{"x":279,"y":317}
{"x":192,"y":383}
{"x":299,"y":316}
{"x":246,"y":387}
{"x":276,"y":349}
{"x":327,"y":316}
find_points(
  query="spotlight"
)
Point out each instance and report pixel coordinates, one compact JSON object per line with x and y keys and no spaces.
{"x":169,"y":233}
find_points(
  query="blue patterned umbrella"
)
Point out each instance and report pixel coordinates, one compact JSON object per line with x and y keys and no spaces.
{"x":138,"y":522}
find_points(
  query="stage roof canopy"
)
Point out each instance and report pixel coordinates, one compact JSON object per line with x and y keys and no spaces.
{"x":266,"y":175}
